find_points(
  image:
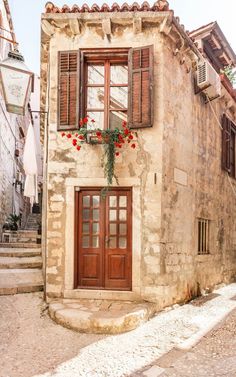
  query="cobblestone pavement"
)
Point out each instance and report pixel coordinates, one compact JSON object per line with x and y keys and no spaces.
{"x":215,"y":355}
{"x":30,"y":342}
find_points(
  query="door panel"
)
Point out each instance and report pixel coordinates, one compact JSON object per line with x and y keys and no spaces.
{"x":90,"y":219}
{"x":103,"y":235}
{"x":118,"y":240}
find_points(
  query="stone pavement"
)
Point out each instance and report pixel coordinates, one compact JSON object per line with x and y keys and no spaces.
{"x":214,"y":355}
{"x":124,"y":354}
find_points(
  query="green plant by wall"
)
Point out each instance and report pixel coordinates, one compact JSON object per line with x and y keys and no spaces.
{"x":111,"y":140}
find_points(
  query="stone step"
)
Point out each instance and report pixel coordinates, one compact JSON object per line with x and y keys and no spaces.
{"x":101,"y":316}
{"x":19,"y":252}
{"x":28,"y":233}
{"x":20,"y":281}
{"x":20,"y":262}
{"x":19,"y":245}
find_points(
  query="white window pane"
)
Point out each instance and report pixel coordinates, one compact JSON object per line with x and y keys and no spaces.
{"x":96,"y":74}
{"x":116,"y":119}
{"x":122,"y":242}
{"x":119,"y":98}
{"x":122,"y":215}
{"x":85,"y":242}
{"x":119,"y":74}
{"x":95,"y":98}
{"x":123,"y":201}
{"x":86,"y":201}
{"x":95,"y":242}
{"x":112,"y":201}
{"x":97,"y":117}
{"x":85,"y":227}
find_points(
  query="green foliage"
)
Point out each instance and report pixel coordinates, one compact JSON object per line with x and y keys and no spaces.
{"x":111,"y":140}
{"x":12,"y":222}
{"x":230,"y":72}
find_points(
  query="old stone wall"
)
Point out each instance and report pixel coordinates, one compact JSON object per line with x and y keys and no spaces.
{"x":193,"y":186}
{"x":175,"y":174}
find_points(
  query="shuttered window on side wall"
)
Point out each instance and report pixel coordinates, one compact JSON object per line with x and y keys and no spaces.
{"x":228,"y":146}
{"x":140,"y":113}
{"x":68,"y":90}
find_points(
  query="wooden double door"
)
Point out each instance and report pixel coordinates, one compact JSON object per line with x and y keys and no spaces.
{"x":103,"y":233}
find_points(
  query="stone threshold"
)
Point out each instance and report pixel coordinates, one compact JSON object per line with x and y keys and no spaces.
{"x":101,"y":316}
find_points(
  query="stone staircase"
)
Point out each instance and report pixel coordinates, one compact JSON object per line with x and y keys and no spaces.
{"x":21,"y":261}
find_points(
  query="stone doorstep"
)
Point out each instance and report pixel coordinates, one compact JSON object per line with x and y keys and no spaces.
{"x":101,"y":316}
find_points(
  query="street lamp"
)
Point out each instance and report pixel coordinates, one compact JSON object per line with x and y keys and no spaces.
{"x":17,"y":81}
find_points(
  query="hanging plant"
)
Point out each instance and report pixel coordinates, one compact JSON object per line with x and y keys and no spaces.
{"x":111,"y":140}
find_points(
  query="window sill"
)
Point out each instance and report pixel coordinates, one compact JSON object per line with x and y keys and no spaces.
{"x":202,"y":258}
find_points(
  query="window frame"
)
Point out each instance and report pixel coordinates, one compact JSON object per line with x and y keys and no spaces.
{"x":105,"y":57}
{"x":203,"y":236}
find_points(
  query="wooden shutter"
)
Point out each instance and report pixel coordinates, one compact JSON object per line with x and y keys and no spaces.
{"x":68,"y":90}
{"x":140,"y":111}
{"x":226,"y":126}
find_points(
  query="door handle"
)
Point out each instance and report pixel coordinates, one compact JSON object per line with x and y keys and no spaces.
{"x":107,"y":241}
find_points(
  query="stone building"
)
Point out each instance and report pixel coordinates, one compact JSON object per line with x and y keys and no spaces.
{"x":167,"y":231}
{"x":13,"y":130}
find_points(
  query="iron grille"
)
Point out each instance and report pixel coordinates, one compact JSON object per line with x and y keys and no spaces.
{"x":203,"y":236}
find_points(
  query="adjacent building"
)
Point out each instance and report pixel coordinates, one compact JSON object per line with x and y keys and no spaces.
{"x":167,"y":231}
{"x":13,"y":130}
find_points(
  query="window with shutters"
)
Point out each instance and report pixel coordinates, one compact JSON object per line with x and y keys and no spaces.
{"x":228,"y":146}
{"x":106,"y":85}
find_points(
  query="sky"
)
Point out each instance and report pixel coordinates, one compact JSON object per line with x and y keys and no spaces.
{"x":193,"y":14}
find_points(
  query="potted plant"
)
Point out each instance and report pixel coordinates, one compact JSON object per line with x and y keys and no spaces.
{"x":13,"y":221}
{"x":111,"y":140}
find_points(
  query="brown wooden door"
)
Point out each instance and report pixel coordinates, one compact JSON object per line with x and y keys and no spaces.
{"x":103,"y":239}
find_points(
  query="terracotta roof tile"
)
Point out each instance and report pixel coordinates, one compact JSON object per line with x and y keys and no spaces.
{"x":158,"y":6}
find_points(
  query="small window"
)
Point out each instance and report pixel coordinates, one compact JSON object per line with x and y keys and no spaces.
{"x":203,"y":236}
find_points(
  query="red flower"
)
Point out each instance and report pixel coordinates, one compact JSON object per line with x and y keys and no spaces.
{"x":76,"y":135}
{"x":124,"y":123}
{"x":117,"y":145}
{"x":81,"y":137}
{"x":120,"y":138}
{"x":131,"y":137}
{"x":99,"y":134}
{"x":63,"y":134}
{"x":92,"y":120}
{"x":78,"y":147}
{"x":133,"y":146}
{"x":74,"y":142}
{"x":117,"y":154}
{"x":85,"y":120}
{"x":81,"y":122}
{"x":69,"y":136}
{"x":126,"y":131}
